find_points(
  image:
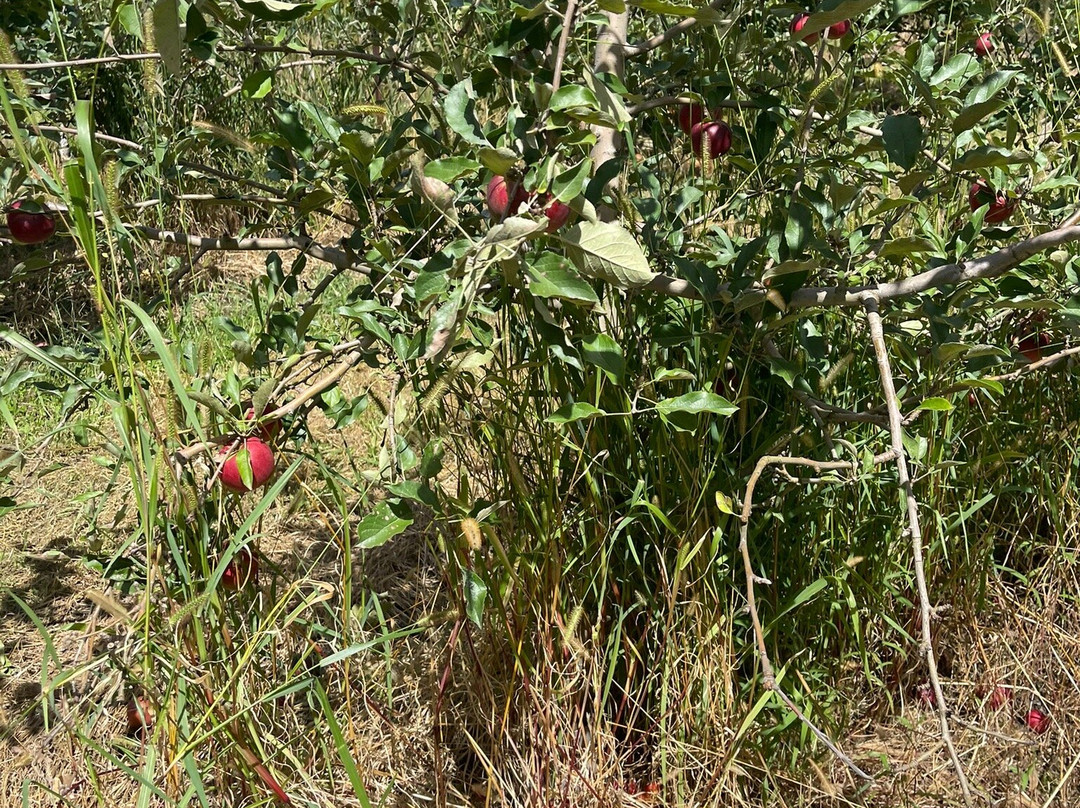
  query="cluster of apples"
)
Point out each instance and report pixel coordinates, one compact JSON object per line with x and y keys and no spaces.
{"x":835,"y":31}
{"x":29,"y":222}
{"x":716,"y":134}
{"x":506,"y":195}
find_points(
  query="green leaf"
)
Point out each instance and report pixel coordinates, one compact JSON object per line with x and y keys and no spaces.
{"x":572,"y":96}
{"x":604,"y":352}
{"x":799,"y":228}
{"x":831,"y":13}
{"x":293,"y":131}
{"x":379,"y":526}
{"x":476,"y":592}
{"x":275,"y":10}
{"x":991,"y":86}
{"x":908,"y":245}
{"x":497,"y":161}
{"x":936,"y":404}
{"x":960,"y":67}
{"x":902,"y":8}
{"x":460,"y":112}
{"x":416,"y":491}
{"x":571,"y":182}
{"x":902,"y":135}
{"x":258,"y":84}
{"x":606,"y":251}
{"x":697,"y":402}
{"x":449,"y":169}
{"x":577,"y":411}
{"x":166,"y":19}
{"x":969,"y":116}
{"x":989,"y":156}
{"x":553,"y":278}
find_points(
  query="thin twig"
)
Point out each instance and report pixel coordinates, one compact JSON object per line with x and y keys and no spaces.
{"x":767,"y":672}
{"x":896,"y":432}
{"x":564,"y":38}
{"x":99,"y":60}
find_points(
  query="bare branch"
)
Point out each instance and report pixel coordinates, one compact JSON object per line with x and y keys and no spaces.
{"x":896,"y":431}
{"x":677,"y":29}
{"x":767,"y":672}
{"x":990,"y":266}
{"x":564,"y":38}
{"x":100,"y":60}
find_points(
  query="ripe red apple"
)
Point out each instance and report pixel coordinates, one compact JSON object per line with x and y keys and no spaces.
{"x":690,"y":115}
{"x":557,"y":214}
{"x":1032,"y":345}
{"x":140,"y":717}
{"x":1001,"y":205}
{"x":719,"y":136}
{"x":241,"y":571}
{"x":499,"y":201}
{"x":268,"y":430}
{"x":839,"y":29}
{"x":260,"y":457}
{"x":1038,"y":721}
{"x":1000,"y":697}
{"x":798,"y":23}
{"x":29,"y":226}
{"x":984,"y":45}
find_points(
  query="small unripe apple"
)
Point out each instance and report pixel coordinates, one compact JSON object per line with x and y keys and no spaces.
{"x":260,"y":457}
{"x":29,"y":226}
{"x":1038,"y":721}
{"x":557,"y":214}
{"x":984,"y":45}
{"x":838,"y":30}
{"x":1001,"y":205}
{"x":140,"y":716}
{"x":718,"y":134}
{"x":242,"y":570}
{"x":690,"y":115}
{"x":500,"y":202}
{"x":798,"y":23}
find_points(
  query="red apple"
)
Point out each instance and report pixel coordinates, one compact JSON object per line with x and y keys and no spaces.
{"x":1001,"y":205}
{"x":260,"y":457}
{"x":140,"y":716}
{"x":241,"y":571}
{"x":29,"y":226}
{"x":984,"y":45}
{"x":1000,"y":696}
{"x":268,"y":430}
{"x":926,"y":695}
{"x":1032,"y":345}
{"x":1038,"y":721}
{"x":690,"y":115}
{"x":719,"y":136}
{"x":499,"y":201}
{"x":798,"y":23}
{"x":557,"y":214}
{"x":839,"y":29}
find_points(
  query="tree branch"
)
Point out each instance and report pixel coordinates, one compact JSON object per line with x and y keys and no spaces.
{"x":896,"y":431}
{"x":677,"y":29}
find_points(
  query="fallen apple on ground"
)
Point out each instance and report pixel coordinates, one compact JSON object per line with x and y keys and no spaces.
{"x":1038,"y":721}
{"x":140,"y":717}
{"x":241,"y":571}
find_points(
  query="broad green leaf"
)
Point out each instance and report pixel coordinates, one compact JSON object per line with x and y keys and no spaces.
{"x":902,"y":8}
{"x":969,"y":116}
{"x":578,"y":411}
{"x":936,"y":404}
{"x":476,"y":592}
{"x":960,"y":67}
{"x":572,"y":96}
{"x":604,"y":352}
{"x":990,"y":86}
{"x":497,"y":161}
{"x":903,"y":136}
{"x":275,"y":10}
{"x":908,"y":245}
{"x":697,"y":402}
{"x":605,"y":250}
{"x":570,"y":183}
{"x":449,"y":169}
{"x":258,"y":84}
{"x":166,"y":19}
{"x":460,"y":113}
{"x":989,"y":156}
{"x":379,"y":526}
{"x":559,"y":281}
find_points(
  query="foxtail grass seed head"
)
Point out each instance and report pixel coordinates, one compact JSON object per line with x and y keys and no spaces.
{"x":356,"y":110}
{"x":151,"y":84}
{"x":470,"y":530}
{"x":15,"y":77}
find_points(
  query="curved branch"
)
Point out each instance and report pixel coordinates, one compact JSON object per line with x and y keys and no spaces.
{"x":99,"y":60}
